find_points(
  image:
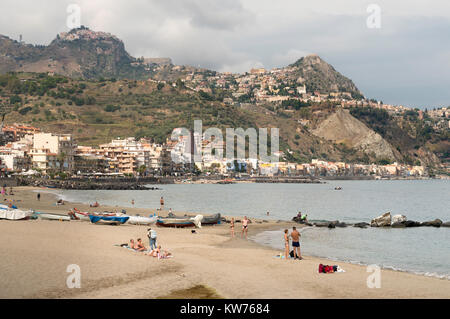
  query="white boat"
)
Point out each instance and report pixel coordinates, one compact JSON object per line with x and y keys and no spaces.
{"x":15,"y":214}
{"x":45,"y":216}
{"x":140,"y":220}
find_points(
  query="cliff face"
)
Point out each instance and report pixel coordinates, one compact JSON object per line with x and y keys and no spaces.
{"x":341,"y":127}
{"x":78,"y":53}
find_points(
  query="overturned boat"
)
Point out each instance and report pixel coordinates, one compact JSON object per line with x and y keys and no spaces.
{"x":45,"y":216}
{"x":175,"y":222}
{"x":15,"y":214}
{"x":211,"y":220}
{"x":141,"y":220}
{"x":108,"y":220}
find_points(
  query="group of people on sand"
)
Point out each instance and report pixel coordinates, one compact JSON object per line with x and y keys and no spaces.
{"x":138,"y":246}
{"x":245,"y":222}
{"x":295,"y":236}
{"x":4,"y":192}
{"x":153,"y":251}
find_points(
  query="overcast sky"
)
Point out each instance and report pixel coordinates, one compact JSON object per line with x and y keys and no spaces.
{"x":406,"y":61}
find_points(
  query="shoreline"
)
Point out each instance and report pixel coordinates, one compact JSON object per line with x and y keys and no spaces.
{"x":252,"y":233}
{"x":235,"y":268}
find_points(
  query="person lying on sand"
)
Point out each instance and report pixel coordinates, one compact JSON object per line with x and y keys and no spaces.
{"x":159,"y":253}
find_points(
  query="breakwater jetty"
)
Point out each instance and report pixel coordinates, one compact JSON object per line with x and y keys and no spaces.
{"x":95,"y":183}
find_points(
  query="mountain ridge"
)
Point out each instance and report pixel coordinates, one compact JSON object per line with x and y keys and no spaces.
{"x":91,"y":54}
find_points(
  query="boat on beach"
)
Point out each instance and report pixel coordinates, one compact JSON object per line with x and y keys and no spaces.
{"x":77,"y":214}
{"x":108,"y":220}
{"x":206,"y":220}
{"x":15,"y":214}
{"x":45,"y":216}
{"x":2,"y":206}
{"x":175,"y":222}
{"x":211,"y":220}
{"x":141,"y":220}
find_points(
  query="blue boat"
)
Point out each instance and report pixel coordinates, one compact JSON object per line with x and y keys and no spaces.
{"x":109,"y":220}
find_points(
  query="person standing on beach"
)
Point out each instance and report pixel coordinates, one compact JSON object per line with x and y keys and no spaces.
{"x":39,"y":196}
{"x":3,"y":191}
{"x":152,"y":238}
{"x":286,"y":244}
{"x":244,"y":227}
{"x":295,"y":235}
{"x":161,"y":201}
{"x":132,"y":202}
{"x":232,"y":227}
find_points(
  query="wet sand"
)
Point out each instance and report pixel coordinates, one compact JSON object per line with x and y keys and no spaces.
{"x":35,"y":255}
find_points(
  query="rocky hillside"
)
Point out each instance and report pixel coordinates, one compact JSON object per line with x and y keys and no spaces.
{"x":341,"y":127}
{"x":320,"y":76}
{"x":78,"y":53}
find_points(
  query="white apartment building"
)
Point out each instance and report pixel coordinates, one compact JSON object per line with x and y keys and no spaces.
{"x":52,"y":151}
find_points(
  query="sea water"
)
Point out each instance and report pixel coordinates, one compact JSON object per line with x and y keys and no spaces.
{"x":424,"y":250}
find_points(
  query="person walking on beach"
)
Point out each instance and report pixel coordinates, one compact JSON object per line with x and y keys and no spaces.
{"x":39,"y":196}
{"x":295,"y":235}
{"x":132,"y":202}
{"x":232,"y":227}
{"x":286,"y":244}
{"x":152,"y":238}
{"x":244,"y":227}
{"x":161,"y":202}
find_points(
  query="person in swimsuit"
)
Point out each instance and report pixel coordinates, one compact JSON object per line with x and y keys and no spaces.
{"x":295,"y":235}
{"x":139,"y":246}
{"x":244,"y":227}
{"x":286,"y":244}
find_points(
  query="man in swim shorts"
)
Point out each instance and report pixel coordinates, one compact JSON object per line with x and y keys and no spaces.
{"x":295,"y":235}
{"x":244,"y":227}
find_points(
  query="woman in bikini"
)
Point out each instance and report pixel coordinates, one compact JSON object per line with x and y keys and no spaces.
{"x":232,"y":227}
{"x":244,"y":227}
{"x":286,"y":244}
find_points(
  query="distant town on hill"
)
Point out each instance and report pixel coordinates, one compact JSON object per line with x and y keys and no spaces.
{"x":84,"y":83}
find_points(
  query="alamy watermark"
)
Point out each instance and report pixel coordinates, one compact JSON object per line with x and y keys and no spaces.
{"x":374,"y":19}
{"x":374,"y":280}
{"x":197,"y":146}
{"x":74,"y":279}
{"x":74,"y":18}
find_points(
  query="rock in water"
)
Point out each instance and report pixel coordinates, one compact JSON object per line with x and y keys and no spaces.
{"x":361,"y":225}
{"x":381,"y":221}
{"x":446,"y":224}
{"x":398,"y":221}
{"x":412,"y":223}
{"x":434,"y":223}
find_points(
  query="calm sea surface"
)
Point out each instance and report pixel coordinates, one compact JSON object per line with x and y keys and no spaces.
{"x":422,"y":250}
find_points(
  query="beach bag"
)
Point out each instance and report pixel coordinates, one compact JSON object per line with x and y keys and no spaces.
{"x":321,"y":268}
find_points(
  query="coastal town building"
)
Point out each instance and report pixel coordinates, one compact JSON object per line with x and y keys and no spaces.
{"x":53,"y":151}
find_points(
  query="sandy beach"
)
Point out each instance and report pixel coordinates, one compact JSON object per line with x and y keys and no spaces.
{"x":35,"y":255}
